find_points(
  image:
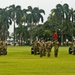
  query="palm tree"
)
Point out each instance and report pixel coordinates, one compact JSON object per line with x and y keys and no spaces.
{"x":33,"y":17}
{"x":58,"y":15}
{"x":38,"y":15}
{"x":61,"y":14}
{"x":68,"y":17}
{"x":16,"y":15}
{"x":23,"y":19}
{"x":5,"y":21}
{"x":72,"y":19}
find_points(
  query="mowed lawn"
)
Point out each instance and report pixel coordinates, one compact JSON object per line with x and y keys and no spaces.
{"x":19,"y":61}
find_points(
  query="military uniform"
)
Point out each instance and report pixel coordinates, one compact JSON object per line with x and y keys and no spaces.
{"x":35,"y":47}
{"x":48,"y":47}
{"x":1,"y":45}
{"x":56,"y":47}
{"x":42,"y":48}
{"x":74,"y":47}
{"x":3,"y":48}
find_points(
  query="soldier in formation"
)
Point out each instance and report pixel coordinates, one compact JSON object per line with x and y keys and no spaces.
{"x":35,"y":47}
{"x":42,"y":48}
{"x":48,"y":47}
{"x":56,"y":44}
{"x":56,"y":47}
{"x":72,"y":47}
{"x":3,"y":44}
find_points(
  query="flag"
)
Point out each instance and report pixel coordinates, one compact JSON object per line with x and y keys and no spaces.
{"x":55,"y":36}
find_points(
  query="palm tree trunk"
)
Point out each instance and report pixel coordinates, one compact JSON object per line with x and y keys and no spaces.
{"x":3,"y":33}
{"x":62,"y":34}
{"x":14,"y":32}
{"x":61,"y":38}
{"x":31,"y":35}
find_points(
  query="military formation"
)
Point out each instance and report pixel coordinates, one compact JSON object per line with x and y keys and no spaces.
{"x":44,"y":48}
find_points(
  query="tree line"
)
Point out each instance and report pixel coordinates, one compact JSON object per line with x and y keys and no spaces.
{"x":61,"y":19}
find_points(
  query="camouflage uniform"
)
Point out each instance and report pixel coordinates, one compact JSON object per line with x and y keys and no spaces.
{"x":74,"y":47}
{"x":48,"y":47}
{"x":35,"y":47}
{"x":42,"y":48}
{"x":56,"y":46}
{"x":1,"y":44}
{"x":3,"y":48}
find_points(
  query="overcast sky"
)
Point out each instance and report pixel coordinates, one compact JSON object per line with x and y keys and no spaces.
{"x":46,"y":5}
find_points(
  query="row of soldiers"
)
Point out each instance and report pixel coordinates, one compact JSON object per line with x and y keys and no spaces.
{"x":44,"y":47}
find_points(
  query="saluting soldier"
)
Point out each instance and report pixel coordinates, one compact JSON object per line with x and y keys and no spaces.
{"x":49,"y":47}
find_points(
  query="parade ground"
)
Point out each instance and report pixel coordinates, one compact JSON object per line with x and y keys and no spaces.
{"x":20,"y":61}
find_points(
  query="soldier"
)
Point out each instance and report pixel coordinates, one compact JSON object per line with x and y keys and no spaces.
{"x":35,"y":47}
{"x":74,"y":47}
{"x":70,"y":47}
{"x":4,"y":48}
{"x":48,"y":47}
{"x":42,"y":48}
{"x":56,"y":47}
{"x":1,"y":45}
{"x":56,"y":44}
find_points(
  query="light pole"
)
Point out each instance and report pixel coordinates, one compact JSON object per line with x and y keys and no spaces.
{"x":30,"y":33}
{"x":59,"y":36}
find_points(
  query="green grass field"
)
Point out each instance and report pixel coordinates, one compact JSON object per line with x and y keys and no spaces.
{"x":19,"y":61}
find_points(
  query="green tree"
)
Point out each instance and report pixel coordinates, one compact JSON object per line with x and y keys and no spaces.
{"x":5,"y":22}
{"x":16,"y":15}
{"x":60,"y":16}
{"x":33,"y":17}
{"x":72,"y":18}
